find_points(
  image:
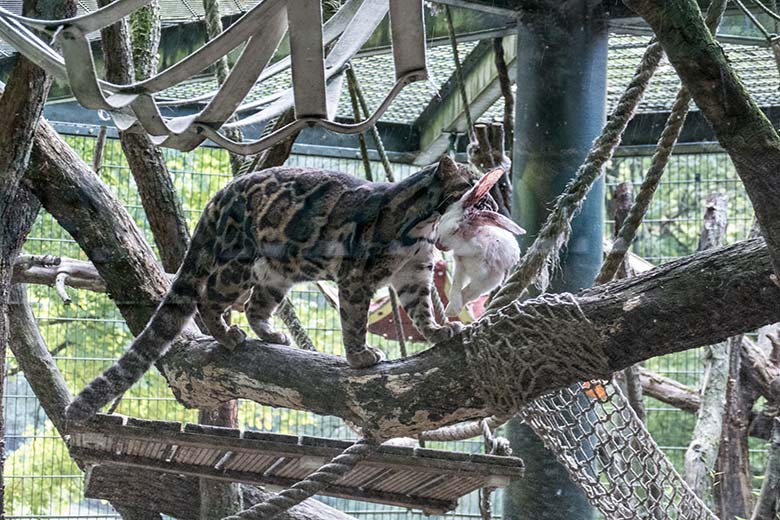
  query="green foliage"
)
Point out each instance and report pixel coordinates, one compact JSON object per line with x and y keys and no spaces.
{"x":44,"y":455}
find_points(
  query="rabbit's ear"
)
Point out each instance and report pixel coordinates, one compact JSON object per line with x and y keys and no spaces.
{"x":492,"y":218}
{"x":481,"y":188}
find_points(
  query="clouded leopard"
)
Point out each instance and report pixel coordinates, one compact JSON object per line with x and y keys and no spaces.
{"x":271,"y":229}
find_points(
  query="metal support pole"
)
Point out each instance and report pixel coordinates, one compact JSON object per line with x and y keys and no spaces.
{"x":560,"y":109}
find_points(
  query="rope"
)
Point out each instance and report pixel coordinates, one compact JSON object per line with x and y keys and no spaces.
{"x":286,"y":312}
{"x":663,"y":152}
{"x":351,"y":81}
{"x":459,"y":73}
{"x":462,"y":431}
{"x":543,"y":253}
{"x":494,"y":445}
{"x":310,"y":486}
{"x":485,"y":509}
{"x":380,"y":145}
{"x":438,"y":306}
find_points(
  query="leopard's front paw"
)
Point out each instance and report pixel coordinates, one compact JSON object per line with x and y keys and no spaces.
{"x":367,"y":357}
{"x":445,"y":332}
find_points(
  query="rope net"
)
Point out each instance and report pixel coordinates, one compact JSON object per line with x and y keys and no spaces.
{"x":608,"y":452}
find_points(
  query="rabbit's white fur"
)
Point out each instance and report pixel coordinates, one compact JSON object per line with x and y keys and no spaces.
{"x":483,"y":244}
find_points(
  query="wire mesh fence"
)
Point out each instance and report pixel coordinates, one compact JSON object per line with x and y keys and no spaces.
{"x":89,"y":333}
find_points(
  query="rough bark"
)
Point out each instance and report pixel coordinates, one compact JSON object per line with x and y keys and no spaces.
{"x":766,"y":505}
{"x":669,"y":391}
{"x":58,"y":272}
{"x":733,"y":489}
{"x":147,"y":164}
{"x":502,"y":71}
{"x":762,"y":372}
{"x":219,"y":499}
{"x":36,"y":362}
{"x":717,"y":294}
{"x":145,"y":32}
{"x":487,"y":152}
{"x":664,"y":389}
{"x":622,"y":200}
{"x":740,"y":126}
{"x":702,"y":451}
{"x":22,"y":104}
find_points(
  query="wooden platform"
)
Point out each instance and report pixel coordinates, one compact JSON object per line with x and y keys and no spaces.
{"x":430,"y":480}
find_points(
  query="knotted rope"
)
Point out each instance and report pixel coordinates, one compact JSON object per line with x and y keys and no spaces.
{"x":311,"y":485}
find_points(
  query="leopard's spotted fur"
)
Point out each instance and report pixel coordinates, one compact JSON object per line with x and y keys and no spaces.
{"x":271,"y":229}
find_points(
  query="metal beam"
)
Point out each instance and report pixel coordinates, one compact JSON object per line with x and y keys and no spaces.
{"x":445,"y":115}
{"x":308,"y":58}
{"x":498,"y":8}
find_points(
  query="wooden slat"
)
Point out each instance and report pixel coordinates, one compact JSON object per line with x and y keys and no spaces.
{"x":431,"y":480}
{"x":431,"y":506}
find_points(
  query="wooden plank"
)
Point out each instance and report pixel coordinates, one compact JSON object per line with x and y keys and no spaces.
{"x":431,"y":506}
{"x":400,"y":457}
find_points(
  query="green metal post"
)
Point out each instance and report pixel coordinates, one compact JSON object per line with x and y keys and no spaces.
{"x":560,"y":109}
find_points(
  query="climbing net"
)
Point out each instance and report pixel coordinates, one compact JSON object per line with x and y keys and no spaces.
{"x":608,"y":452}
{"x":316,"y":83}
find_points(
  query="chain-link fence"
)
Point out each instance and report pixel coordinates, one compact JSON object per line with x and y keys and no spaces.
{"x":87,"y":335}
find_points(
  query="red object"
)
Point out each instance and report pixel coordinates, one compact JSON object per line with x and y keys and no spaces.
{"x":380,"y":317}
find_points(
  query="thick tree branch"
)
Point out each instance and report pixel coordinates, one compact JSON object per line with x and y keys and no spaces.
{"x":73,"y":273}
{"x":717,"y":294}
{"x":21,"y":105}
{"x":669,"y":391}
{"x":147,"y":164}
{"x":637,"y":318}
{"x":740,"y":126}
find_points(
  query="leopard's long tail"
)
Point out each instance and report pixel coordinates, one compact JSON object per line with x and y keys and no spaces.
{"x":178,"y":305}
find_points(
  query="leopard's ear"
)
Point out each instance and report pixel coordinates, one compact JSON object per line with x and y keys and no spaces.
{"x":446,"y":167}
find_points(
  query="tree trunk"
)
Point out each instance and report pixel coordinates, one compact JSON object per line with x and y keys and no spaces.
{"x":702,"y":451}
{"x":766,"y":506}
{"x":219,"y":499}
{"x":733,"y":487}
{"x":22,"y":104}
{"x":147,"y":164}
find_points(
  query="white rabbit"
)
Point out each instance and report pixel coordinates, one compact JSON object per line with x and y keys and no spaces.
{"x":482,"y":241}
